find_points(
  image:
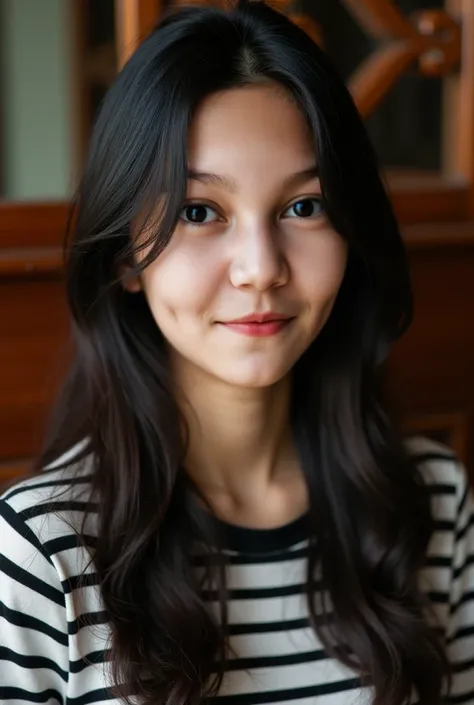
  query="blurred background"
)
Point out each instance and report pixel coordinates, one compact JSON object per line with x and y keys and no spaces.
{"x":410,"y":67}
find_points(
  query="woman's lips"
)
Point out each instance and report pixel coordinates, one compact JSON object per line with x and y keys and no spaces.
{"x":258,"y":329}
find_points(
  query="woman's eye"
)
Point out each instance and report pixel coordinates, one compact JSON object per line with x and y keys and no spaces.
{"x":198,"y":214}
{"x":305,"y":208}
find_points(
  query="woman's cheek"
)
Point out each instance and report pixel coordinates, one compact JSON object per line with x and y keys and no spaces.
{"x":185,"y":279}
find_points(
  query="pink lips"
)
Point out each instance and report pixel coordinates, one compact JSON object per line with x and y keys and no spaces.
{"x":259,"y":325}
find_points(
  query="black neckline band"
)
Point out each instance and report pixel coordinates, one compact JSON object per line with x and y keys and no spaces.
{"x":245,"y":540}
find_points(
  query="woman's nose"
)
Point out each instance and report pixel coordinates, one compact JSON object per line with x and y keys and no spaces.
{"x":259,"y":261}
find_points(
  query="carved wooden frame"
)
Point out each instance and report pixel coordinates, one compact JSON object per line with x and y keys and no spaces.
{"x":441,"y":43}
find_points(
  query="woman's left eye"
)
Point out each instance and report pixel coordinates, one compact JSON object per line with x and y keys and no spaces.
{"x":304,"y":208}
{"x":198,"y":214}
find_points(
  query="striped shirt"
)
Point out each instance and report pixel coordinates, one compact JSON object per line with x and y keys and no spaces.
{"x":54,"y":634}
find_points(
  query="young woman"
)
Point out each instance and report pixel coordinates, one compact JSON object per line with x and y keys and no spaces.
{"x":226,"y":513}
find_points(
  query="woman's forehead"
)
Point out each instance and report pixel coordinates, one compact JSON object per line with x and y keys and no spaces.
{"x":248,"y":128}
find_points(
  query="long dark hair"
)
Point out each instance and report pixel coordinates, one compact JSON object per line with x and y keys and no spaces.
{"x":369,"y":512}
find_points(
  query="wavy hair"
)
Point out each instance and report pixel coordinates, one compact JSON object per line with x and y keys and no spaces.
{"x":369,"y":511}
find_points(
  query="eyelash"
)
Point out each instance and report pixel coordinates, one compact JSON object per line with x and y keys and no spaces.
{"x":205,"y":205}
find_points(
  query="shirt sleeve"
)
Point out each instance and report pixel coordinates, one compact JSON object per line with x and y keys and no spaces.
{"x":460,"y":632}
{"x":33,"y":625}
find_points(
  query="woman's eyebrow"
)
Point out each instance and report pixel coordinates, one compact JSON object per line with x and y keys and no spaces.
{"x":227,"y":184}
{"x":223,"y":182}
{"x":300,"y":177}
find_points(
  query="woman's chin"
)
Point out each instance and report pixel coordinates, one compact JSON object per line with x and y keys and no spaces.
{"x":254,"y":378}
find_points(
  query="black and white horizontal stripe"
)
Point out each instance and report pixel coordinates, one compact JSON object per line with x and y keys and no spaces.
{"x":54,"y":633}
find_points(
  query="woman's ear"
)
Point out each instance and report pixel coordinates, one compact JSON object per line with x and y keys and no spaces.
{"x":130,"y":280}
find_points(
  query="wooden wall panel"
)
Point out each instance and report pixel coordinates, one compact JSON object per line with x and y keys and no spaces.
{"x":34,"y":333}
{"x":431,"y":372}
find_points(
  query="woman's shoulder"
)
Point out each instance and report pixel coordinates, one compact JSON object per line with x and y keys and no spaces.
{"x":446,"y":480}
{"x":438,"y":465}
{"x":428,"y":451}
{"x":448,"y":574}
{"x":47,"y":584}
{"x":54,"y":501}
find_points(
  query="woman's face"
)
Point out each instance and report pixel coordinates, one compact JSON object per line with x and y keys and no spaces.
{"x":252,"y":240}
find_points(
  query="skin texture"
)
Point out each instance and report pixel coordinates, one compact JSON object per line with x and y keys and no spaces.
{"x":252,"y":253}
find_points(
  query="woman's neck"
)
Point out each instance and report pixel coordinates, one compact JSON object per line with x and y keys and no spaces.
{"x":241,"y":453}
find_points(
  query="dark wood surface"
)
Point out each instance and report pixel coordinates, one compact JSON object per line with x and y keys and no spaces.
{"x":33,"y":344}
{"x":431,"y":377}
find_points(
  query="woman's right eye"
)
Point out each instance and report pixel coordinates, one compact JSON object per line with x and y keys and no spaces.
{"x":198,"y":214}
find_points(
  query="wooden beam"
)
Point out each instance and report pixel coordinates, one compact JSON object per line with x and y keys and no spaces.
{"x":27,"y":262}
{"x":459,"y":105}
{"x":134,"y":19}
